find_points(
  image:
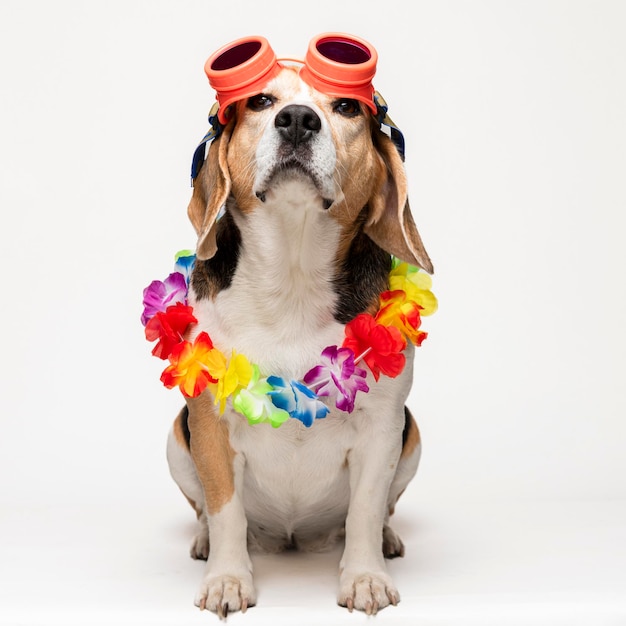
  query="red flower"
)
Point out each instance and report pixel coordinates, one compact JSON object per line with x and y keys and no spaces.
{"x":379,"y":346}
{"x":169,"y":328}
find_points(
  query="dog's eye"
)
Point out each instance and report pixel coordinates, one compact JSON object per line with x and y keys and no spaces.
{"x":347,"y":107}
{"x":260,"y":102}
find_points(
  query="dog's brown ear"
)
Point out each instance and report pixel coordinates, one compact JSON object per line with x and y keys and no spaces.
{"x":390,"y":224}
{"x":210,"y":191}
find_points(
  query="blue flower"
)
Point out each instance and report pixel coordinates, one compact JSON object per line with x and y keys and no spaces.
{"x":297,"y":399}
{"x":185,"y":261}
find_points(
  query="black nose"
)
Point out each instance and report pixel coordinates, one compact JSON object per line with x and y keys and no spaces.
{"x":297,"y":123}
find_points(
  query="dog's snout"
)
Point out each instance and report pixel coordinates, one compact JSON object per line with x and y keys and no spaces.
{"x":297,"y":123}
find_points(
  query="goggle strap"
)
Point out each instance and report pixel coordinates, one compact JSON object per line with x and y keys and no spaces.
{"x":214,"y":132}
{"x":395,"y":133}
{"x":216,"y":129}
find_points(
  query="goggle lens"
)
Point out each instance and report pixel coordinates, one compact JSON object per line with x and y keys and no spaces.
{"x":235,"y":56}
{"x":343,"y":50}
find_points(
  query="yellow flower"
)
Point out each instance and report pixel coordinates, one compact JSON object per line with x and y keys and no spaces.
{"x":415,"y":284}
{"x":230,"y":377}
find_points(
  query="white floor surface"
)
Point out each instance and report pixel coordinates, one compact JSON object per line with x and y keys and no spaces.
{"x":483,"y":563}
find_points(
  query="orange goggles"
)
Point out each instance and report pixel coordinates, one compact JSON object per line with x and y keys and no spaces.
{"x":335,"y":64}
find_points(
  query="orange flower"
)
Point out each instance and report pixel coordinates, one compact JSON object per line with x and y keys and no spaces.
{"x":188,"y":368}
{"x":397,"y":310}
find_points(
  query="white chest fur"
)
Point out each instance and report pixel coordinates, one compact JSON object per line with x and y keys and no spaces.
{"x":279,"y":308}
{"x":279,"y":312}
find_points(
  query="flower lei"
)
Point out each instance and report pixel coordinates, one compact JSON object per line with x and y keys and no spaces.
{"x":376,"y":340}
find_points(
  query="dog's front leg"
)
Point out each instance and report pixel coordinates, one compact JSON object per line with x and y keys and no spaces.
{"x":364,"y":582}
{"x":227,"y":583}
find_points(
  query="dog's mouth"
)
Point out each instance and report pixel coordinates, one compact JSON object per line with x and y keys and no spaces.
{"x":293,"y":168}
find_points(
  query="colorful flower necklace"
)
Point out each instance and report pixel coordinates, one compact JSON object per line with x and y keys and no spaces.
{"x":377,"y":340}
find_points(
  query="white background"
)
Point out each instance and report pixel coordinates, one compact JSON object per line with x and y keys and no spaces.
{"x":514,"y":117}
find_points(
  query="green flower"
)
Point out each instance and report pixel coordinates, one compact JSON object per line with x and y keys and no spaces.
{"x":254,"y":403}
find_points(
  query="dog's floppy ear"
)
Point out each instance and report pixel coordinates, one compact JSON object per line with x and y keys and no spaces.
{"x":210,"y":191}
{"x":390,"y":224}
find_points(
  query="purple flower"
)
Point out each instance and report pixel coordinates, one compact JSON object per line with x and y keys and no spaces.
{"x":299,"y":401}
{"x":337,"y":377}
{"x":158,"y":295}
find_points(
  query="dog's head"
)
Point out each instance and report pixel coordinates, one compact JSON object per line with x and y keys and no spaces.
{"x":332,"y":146}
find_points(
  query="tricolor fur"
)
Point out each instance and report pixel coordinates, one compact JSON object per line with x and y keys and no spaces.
{"x":316,"y":202}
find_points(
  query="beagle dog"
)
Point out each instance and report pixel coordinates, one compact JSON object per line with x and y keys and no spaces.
{"x":312,"y":202}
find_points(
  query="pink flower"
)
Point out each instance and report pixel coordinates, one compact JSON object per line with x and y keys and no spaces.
{"x":158,"y":295}
{"x":337,"y":377}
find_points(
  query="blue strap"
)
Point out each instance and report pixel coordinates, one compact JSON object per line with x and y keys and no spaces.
{"x":200,"y":153}
{"x":383,"y":118}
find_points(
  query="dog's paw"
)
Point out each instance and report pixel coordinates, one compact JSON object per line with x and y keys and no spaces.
{"x":226,"y":594}
{"x":200,"y":546}
{"x":392,"y":544}
{"x":367,"y":592}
